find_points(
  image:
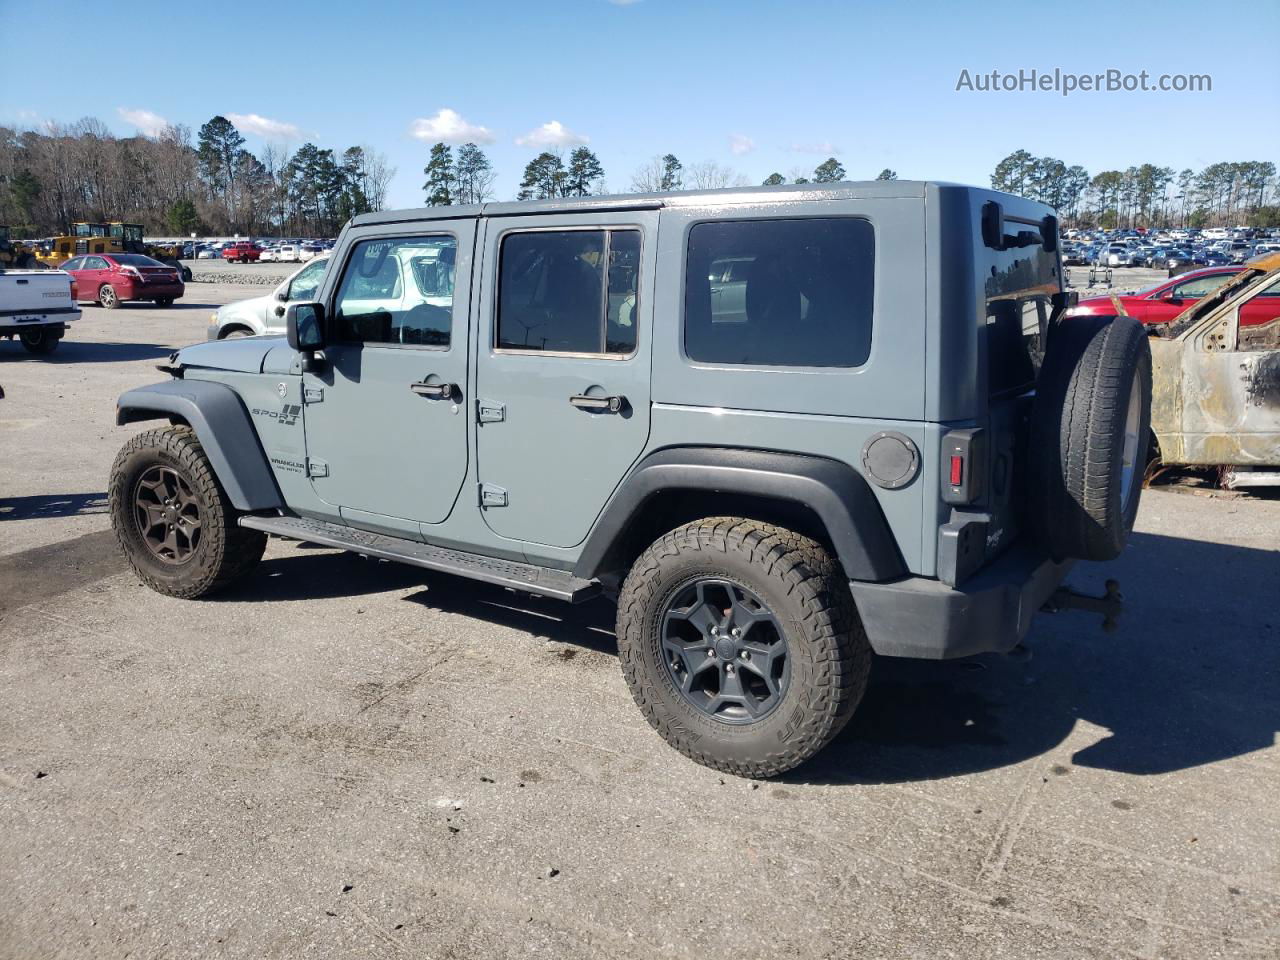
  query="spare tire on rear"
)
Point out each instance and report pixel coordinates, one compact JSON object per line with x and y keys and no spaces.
{"x":1090,"y":425}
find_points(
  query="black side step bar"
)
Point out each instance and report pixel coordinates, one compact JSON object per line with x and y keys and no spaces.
{"x":544,"y":581}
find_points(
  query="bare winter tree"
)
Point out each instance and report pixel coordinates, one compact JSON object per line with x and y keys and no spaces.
{"x":648,"y":178}
{"x":710,"y":175}
{"x":378,"y":175}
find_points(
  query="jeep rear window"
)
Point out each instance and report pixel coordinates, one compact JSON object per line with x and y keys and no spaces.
{"x":780,"y":292}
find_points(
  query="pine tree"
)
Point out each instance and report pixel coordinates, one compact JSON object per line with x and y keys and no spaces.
{"x":442,"y":177}
{"x":774,"y":180}
{"x":671,"y":173}
{"x":544,"y":177}
{"x":474,"y":175}
{"x":584,"y":170}
{"x":887,"y":174}
{"x":829,"y":171}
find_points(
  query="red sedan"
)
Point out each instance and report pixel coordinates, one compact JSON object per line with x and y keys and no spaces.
{"x":1166,"y":299}
{"x":112,"y":278}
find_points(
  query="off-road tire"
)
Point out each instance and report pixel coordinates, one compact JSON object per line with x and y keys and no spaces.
{"x":1076,"y":504}
{"x":226,"y":551}
{"x":806,"y":591}
{"x":40,"y":342}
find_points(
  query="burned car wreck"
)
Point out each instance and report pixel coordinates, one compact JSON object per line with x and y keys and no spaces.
{"x":1216,"y":380}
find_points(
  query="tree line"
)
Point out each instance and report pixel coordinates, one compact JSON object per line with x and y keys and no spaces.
{"x":468,"y":177}
{"x":210,"y":183}
{"x":1222,"y":194}
{"x":176,"y":184}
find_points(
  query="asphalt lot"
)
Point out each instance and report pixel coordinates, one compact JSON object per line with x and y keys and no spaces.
{"x":342,"y":758}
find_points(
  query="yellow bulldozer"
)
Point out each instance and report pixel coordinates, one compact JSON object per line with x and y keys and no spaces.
{"x":14,"y":254}
{"x":113,"y":237}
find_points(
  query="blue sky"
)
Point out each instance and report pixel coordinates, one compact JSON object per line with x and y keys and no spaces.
{"x":755,"y":85}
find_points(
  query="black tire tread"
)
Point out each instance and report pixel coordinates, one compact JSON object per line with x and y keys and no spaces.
{"x":43,"y":346}
{"x":227,"y":551}
{"x":810,"y":577}
{"x":1081,"y":402}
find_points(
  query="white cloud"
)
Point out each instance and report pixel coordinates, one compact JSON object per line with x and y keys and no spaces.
{"x":148,"y":123}
{"x":823,"y":146}
{"x":551,"y":134}
{"x":740,"y":144}
{"x":448,"y":126}
{"x":264,"y":127}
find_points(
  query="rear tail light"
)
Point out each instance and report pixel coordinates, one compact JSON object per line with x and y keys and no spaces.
{"x":965,"y":454}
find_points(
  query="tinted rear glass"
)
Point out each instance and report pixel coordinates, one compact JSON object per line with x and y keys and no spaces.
{"x":135,"y":260}
{"x":780,"y":292}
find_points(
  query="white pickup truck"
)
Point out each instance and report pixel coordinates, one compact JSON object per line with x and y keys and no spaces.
{"x":35,"y":307}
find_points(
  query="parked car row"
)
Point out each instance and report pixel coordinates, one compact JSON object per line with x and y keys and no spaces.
{"x":1163,"y":253}
{"x":254,"y":251}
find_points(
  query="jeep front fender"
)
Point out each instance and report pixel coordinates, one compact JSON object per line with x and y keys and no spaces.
{"x":221,"y":423}
{"x":838,"y":494}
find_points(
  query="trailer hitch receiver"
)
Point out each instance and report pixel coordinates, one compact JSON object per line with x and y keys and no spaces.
{"x":1109,"y":606}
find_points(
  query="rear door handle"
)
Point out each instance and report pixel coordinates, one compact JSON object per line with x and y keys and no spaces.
{"x":434,"y":391}
{"x":603,"y":404}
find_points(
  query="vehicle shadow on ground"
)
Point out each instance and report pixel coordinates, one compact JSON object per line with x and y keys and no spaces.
{"x":87,"y":351}
{"x":52,"y":505}
{"x":1187,"y":680}
{"x":319,"y":576}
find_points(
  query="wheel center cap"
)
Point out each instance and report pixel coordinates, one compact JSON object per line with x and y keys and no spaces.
{"x":725,"y":648}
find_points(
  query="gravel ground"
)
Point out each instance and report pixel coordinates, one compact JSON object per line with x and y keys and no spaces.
{"x":342,"y":758}
{"x":250,"y":274}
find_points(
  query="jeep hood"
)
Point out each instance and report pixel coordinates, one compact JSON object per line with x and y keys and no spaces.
{"x":241,"y":355}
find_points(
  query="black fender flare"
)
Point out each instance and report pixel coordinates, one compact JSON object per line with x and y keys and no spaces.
{"x":837,"y":493}
{"x":221,"y":423}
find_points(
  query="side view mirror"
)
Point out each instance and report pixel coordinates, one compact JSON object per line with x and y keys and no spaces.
{"x":305,"y":325}
{"x":1173,"y":298}
{"x":283,"y":295}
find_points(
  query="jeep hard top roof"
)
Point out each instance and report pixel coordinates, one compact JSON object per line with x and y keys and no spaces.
{"x":859,"y":190}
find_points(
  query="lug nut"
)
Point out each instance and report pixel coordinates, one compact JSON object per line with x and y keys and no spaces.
{"x":745,"y":655}
{"x":711,"y":652}
{"x":729,"y":670}
{"x":715,"y":631}
{"x":736,"y":632}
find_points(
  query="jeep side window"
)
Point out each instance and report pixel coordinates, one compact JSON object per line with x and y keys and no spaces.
{"x":555,"y":293}
{"x":780,"y":292}
{"x":398,"y":290}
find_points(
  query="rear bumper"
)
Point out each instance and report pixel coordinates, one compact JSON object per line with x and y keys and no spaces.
{"x":151,"y":291}
{"x":989,"y":613}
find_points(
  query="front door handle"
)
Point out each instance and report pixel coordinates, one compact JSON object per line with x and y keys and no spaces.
{"x":602,"y":404}
{"x":434,"y":391}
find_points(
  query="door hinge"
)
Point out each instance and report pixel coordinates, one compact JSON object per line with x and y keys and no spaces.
{"x":492,"y":496}
{"x":490,"y":411}
{"x":317,"y":468}
{"x":313,"y":394}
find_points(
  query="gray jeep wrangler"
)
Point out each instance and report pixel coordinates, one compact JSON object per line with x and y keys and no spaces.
{"x":785,"y":428}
